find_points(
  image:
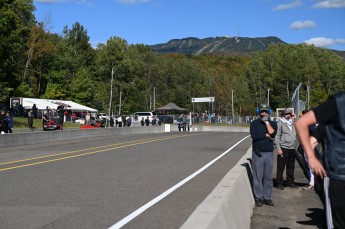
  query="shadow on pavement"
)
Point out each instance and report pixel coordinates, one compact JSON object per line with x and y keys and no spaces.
{"x":294,"y":207}
{"x":315,"y":214}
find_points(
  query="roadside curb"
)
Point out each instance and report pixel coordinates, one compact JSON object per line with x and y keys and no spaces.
{"x":230,"y":204}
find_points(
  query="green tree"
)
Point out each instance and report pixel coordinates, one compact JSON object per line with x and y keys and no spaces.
{"x":282,"y":67}
{"x":111,"y":70}
{"x":72,"y":52}
{"x":24,"y":90}
{"x":243,"y":103}
{"x":16,"y":20}
{"x":77,"y":49}
{"x":39,"y":53}
{"x":258,"y":79}
{"x":54,"y":91}
{"x":82,"y":88}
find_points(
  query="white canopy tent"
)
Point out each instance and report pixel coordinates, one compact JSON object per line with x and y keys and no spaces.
{"x":42,"y":104}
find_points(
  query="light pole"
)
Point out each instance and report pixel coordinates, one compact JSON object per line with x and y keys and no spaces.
{"x":268,"y":97}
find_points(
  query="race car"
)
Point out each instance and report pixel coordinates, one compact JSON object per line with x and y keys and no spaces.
{"x":52,"y":124}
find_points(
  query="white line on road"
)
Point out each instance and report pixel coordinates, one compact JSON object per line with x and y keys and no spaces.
{"x":143,"y":208}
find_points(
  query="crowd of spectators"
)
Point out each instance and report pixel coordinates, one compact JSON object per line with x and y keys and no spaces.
{"x":213,"y":118}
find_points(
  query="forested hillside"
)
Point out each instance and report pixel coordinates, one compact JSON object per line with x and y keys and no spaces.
{"x":37,"y":63}
{"x":235,"y":46}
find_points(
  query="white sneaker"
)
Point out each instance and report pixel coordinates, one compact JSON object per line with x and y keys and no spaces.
{"x":308,"y":187}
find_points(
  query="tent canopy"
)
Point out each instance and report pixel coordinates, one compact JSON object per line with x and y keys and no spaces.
{"x":171,"y":107}
{"x":42,"y":104}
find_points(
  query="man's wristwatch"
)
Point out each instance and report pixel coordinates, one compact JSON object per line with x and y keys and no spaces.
{"x":267,"y":122}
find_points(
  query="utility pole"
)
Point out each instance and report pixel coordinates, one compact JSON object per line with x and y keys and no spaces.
{"x":154,"y":98}
{"x":150,"y":103}
{"x":308,"y":91}
{"x":120,"y":101}
{"x":111,"y":90}
{"x":268,"y":97}
{"x":232,"y":103}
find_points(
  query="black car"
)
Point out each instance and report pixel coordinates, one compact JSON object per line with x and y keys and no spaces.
{"x":167,"y":119}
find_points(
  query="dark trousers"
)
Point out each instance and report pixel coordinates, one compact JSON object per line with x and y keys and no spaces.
{"x":337,"y":199}
{"x":31,"y":123}
{"x":286,"y":161}
{"x":61,"y":120}
{"x":4,"y":128}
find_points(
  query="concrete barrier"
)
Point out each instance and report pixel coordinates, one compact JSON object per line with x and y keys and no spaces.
{"x":212,"y":128}
{"x":230,"y":204}
{"x":38,"y":137}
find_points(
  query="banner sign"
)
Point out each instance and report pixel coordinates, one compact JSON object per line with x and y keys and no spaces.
{"x":202,"y":99}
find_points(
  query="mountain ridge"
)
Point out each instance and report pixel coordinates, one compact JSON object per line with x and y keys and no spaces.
{"x":220,"y":45}
{"x":226,"y":45}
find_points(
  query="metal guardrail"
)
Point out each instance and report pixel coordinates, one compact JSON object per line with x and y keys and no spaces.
{"x":210,"y":120}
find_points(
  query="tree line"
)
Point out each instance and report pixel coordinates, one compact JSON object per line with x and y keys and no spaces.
{"x":120,"y":77}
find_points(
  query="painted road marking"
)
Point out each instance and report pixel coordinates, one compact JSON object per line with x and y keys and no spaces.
{"x":75,"y":151}
{"x":149,"y":204}
{"x":136,"y":142}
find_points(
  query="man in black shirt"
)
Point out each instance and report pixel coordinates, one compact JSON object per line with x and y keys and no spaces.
{"x":3,"y":124}
{"x":331,"y":118}
{"x":60,"y":110}
{"x":147,"y":121}
{"x":263,"y":131}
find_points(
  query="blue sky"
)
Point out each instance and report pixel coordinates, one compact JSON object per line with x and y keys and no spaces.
{"x":320,"y":22}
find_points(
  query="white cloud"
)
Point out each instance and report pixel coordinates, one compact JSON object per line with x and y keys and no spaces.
{"x":330,"y":4}
{"x":302,"y":24}
{"x":133,"y":1}
{"x":324,"y":42}
{"x":294,"y":4}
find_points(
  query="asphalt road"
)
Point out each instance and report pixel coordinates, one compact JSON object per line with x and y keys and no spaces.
{"x":97,"y":183}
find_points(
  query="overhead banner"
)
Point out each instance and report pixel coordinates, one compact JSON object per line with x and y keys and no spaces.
{"x":202,"y":99}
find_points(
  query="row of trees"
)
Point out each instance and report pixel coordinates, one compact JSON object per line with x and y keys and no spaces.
{"x":116,"y":76}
